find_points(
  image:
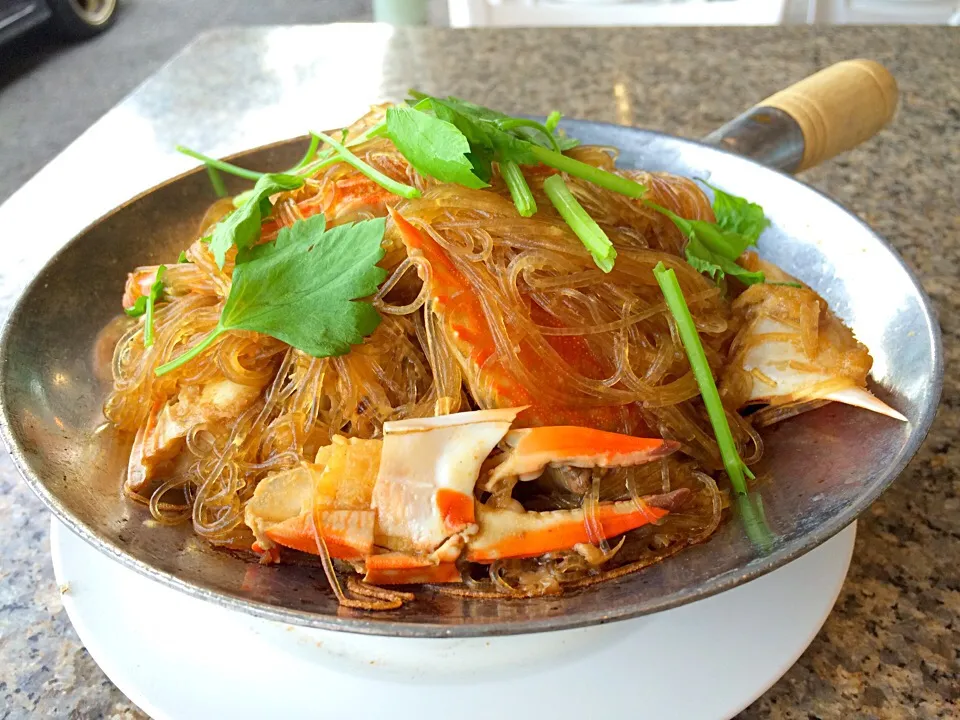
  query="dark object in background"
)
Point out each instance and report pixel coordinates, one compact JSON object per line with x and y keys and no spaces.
{"x":74,"y":19}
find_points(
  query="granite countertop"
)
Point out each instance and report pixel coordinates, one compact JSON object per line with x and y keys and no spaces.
{"x":890,"y":647}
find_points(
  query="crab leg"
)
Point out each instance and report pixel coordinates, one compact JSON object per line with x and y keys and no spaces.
{"x":402,"y":569}
{"x":509,"y":534}
{"x":348,"y":534}
{"x":532,"y":449}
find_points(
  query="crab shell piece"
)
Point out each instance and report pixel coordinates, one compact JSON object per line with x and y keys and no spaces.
{"x":161,"y":437}
{"x":792,"y":350}
{"x":508,"y":534}
{"x":420,"y":516}
{"x":533,"y":449}
{"x":782,"y":373}
{"x":466,"y":329}
{"x":428,"y":469}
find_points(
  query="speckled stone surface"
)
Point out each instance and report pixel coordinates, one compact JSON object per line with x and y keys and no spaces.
{"x":890,"y":648}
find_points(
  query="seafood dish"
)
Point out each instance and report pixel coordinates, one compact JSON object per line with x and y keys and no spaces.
{"x":459,"y":350}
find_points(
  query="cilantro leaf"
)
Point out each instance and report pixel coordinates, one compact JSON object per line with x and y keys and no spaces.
{"x":737,"y":215}
{"x":305,"y":289}
{"x":242,"y":226}
{"x":711,"y":249}
{"x":433,"y":146}
{"x":716,"y":265}
{"x":302,"y":289}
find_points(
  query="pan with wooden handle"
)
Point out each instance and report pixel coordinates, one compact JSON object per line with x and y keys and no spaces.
{"x":825,"y":466}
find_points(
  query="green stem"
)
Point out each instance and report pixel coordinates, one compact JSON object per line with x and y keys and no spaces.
{"x":241,"y":199}
{"x":156,"y":289}
{"x":378,"y":130}
{"x":579,"y":220}
{"x":519,"y":189}
{"x":384,"y":181}
{"x":754,"y":521}
{"x":217,"y":181}
{"x":327,"y":158}
{"x":737,"y":471}
{"x":524,"y":122}
{"x":311,"y":151}
{"x":191,"y":353}
{"x":220,"y":164}
{"x":553,"y":119}
{"x":148,"y":322}
{"x":582,"y":170}
{"x":667,"y":279}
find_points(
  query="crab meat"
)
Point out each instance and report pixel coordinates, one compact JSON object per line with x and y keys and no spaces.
{"x":160,"y":439}
{"x":405,"y":507}
{"x":792,"y":349}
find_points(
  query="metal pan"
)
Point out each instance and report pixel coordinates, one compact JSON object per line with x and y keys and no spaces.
{"x":828,"y":465}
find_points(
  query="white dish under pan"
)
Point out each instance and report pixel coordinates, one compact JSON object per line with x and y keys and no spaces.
{"x":179,"y":657}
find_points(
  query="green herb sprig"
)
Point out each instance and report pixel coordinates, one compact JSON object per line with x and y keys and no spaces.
{"x":144,"y":305}
{"x":736,"y":469}
{"x":242,"y":226}
{"x":713,"y":248}
{"x":495,"y":137}
{"x":304,"y":289}
{"x":384,"y":181}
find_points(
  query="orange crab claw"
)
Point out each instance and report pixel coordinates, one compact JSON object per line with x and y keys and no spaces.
{"x":397,"y":568}
{"x":348,"y":534}
{"x":509,"y":534}
{"x":532,"y":449}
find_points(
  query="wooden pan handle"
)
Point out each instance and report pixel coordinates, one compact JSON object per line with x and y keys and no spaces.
{"x":838,"y":108}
